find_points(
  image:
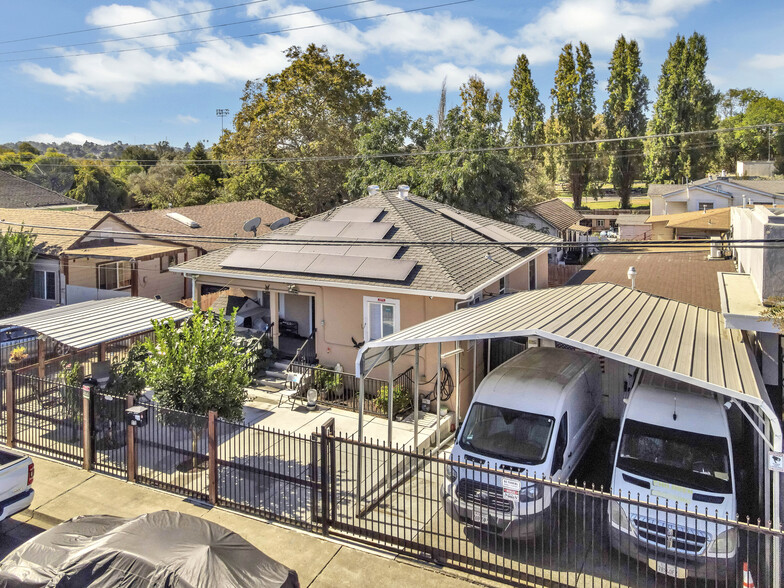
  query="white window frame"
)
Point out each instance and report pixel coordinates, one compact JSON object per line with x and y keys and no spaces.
{"x":117,"y":275}
{"x":503,"y":285}
{"x":367,"y":301}
{"x":46,"y":291}
{"x":705,"y":205}
{"x":532,"y":264}
{"x":600,"y":222}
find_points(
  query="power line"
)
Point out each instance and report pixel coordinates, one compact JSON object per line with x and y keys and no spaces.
{"x":234,"y":37}
{"x":126,"y":24}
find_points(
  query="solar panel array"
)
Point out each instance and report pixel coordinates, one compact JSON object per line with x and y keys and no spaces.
{"x":337,"y":229}
{"x":492,"y":232}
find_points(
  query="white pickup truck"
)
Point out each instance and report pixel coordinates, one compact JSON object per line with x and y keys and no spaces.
{"x":16,"y":480}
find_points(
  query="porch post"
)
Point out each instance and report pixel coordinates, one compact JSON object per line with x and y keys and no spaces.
{"x":275,"y":318}
{"x":473,"y":388}
{"x":416,"y":398}
{"x":360,"y":435}
{"x":457,"y":385}
{"x":438,"y":399}
{"x":390,"y":411}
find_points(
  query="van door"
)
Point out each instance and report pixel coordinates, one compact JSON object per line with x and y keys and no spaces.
{"x":559,"y":454}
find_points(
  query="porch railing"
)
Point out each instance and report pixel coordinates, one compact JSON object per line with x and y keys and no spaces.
{"x":306,"y":354}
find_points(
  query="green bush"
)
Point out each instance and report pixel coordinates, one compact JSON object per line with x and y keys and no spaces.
{"x":327,"y":381}
{"x":401,"y":399}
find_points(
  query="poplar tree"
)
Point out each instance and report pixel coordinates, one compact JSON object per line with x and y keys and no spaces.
{"x":686,"y":101}
{"x":624,"y":116}
{"x":527,"y":124}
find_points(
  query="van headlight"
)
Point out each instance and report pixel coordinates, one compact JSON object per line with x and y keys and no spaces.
{"x":725,"y":543}
{"x":450,"y":472}
{"x":620,"y":519}
{"x":531,"y":493}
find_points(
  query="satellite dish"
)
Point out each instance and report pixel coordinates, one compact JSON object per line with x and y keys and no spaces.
{"x":251,"y":225}
{"x":281,"y":222}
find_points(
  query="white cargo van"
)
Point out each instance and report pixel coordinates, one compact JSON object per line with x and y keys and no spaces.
{"x":534,"y":415}
{"x":674,"y":448}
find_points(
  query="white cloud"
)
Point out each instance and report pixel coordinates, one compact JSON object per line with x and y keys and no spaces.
{"x":414,"y":79}
{"x":767,"y":61}
{"x":75,"y":138}
{"x":187,"y":119}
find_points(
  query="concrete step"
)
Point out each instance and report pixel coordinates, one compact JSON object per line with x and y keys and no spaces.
{"x":279,"y":374}
{"x":268,"y":382}
{"x":280,"y":366}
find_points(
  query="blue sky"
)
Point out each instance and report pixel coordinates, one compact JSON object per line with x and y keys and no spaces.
{"x":144,"y":94}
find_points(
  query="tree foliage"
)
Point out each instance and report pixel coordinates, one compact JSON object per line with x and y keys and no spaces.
{"x":686,"y":101}
{"x":752,"y":108}
{"x":144,"y":157}
{"x":16,"y":269}
{"x":624,"y":116}
{"x":95,"y":185}
{"x":526,"y":126}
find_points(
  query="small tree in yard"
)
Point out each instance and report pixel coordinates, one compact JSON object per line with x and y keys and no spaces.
{"x":196,"y":368}
{"x":16,"y":269}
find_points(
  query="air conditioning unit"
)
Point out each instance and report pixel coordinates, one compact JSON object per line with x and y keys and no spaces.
{"x":716,"y":249}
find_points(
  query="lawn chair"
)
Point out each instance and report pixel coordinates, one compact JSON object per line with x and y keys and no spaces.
{"x":289,"y":393}
{"x":102,"y":372}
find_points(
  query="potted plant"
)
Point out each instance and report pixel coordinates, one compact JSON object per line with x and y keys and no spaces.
{"x":17,"y":355}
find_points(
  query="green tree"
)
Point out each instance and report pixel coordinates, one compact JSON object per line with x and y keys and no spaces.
{"x":199,"y":162}
{"x":309,"y":110}
{"x":25,"y":147}
{"x":95,"y":185}
{"x":156,"y":187}
{"x":196,"y":368}
{"x":527,"y":124}
{"x":146,"y":158}
{"x":624,"y":116}
{"x":52,"y":170}
{"x":753,"y":144}
{"x":735,"y":101}
{"x":16,"y":269}
{"x":685,"y":102}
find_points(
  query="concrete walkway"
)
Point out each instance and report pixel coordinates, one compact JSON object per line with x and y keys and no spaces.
{"x":63,"y":492}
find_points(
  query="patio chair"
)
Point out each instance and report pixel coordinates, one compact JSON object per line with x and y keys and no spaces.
{"x":102,"y":371}
{"x":289,"y":393}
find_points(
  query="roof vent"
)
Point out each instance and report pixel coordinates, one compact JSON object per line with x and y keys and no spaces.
{"x":373,"y":189}
{"x":402,"y":191}
{"x":181,"y":218}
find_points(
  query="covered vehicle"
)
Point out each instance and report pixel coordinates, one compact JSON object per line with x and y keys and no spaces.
{"x":159,"y":549}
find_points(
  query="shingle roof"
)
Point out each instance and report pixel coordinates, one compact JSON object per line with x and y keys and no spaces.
{"x":686,"y":276}
{"x":557,"y":213}
{"x":52,"y":241}
{"x":452,"y":269}
{"x":223,"y":219}
{"x":18,"y":193}
{"x":716,"y":218}
{"x":631,"y":219}
{"x":770,"y":186}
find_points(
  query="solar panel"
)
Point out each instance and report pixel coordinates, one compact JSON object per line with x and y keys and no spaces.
{"x":357,"y":214}
{"x":456,"y":216}
{"x":288,"y":262}
{"x":319,"y":228}
{"x":246,"y":258}
{"x":365,"y":231}
{"x":498,"y":234}
{"x":293,"y":248}
{"x":376,"y":251}
{"x":385,"y":269}
{"x":335,"y":265}
{"x":326,"y":249}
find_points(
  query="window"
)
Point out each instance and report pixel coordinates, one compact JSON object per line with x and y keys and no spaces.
{"x":167,"y":261}
{"x":561,"y":443}
{"x":44,"y":285}
{"x":114,"y":276}
{"x":382,"y":317}
{"x":600,"y":222}
{"x":705,"y":205}
{"x":532,"y":274}
{"x":503,"y":285}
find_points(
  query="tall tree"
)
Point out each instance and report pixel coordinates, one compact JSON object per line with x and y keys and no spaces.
{"x":95,"y":185}
{"x":146,"y":158}
{"x":199,"y":162}
{"x":573,"y":112}
{"x":686,"y":101}
{"x":16,"y":269}
{"x":753,"y":144}
{"x":308,"y":113}
{"x":527,"y":124}
{"x":624,"y":116}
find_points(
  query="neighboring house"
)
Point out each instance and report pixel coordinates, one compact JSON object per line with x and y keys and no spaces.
{"x":18,"y":193}
{"x":702,"y":224}
{"x":81,"y":257}
{"x":191,"y":224}
{"x":755,"y":169}
{"x":376,"y":265}
{"x":710,"y":193}
{"x":760,"y":277}
{"x":552,"y":217}
{"x":633,"y":227}
{"x":685,"y":276}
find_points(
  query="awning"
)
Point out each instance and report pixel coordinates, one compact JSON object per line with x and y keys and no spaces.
{"x":741,"y":305}
{"x":138,"y":251}
{"x":675,"y":339}
{"x":89,"y":323}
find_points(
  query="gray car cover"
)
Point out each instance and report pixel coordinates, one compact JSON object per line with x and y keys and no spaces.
{"x":160,"y":549}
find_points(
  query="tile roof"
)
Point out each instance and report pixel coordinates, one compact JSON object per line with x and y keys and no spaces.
{"x":221,"y":219}
{"x":18,"y":193}
{"x":556,"y":212}
{"x":685,"y":276}
{"x":451,"y":269}
{"x":52,"y":241}
{"x":631,"y":219}
{"x":717,"y":219}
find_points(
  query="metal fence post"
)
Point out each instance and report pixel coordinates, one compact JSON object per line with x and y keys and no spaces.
{"x":324,"y":487}
{"x":130,"y":459}
{"x":87,"y":428}
{"x":41,"y":358}
{"x":10,"y":408}
{"x":212,"y":454}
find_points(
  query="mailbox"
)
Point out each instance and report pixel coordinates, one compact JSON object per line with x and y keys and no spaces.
{"x":88,"y":385}
{"x":136,"y":416}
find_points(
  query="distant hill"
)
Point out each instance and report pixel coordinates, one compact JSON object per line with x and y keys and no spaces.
{"x":88,"y":150}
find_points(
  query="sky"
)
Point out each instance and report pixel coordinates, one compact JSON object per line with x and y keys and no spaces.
{"x":70,"y":73}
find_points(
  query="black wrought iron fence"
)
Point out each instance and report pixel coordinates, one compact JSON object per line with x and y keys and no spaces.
{"x":109,"y":434}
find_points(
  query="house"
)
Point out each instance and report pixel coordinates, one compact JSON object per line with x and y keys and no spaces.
{"x":16,"y":192}
{"x":91,"y":255}
{"x":194,"y":225}
{"x":701,"y":224}
{"x":366,"y":269}
{"x":633,"y":227}
{"x":552,"y":217}
{"x":755,"y":168}
{"x":709,"y":193}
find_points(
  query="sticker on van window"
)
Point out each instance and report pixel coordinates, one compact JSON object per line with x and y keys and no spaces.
{"x":776,"y":461}
{"x":671,"y":492}
{"x":511,"y":489}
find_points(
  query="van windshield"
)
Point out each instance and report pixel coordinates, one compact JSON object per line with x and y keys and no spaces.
{"x":507,"y":434}
{"x":699,"y":462}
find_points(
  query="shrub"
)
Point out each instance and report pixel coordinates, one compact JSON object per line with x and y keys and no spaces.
{"x":401,"y":399}
{"x":326,"y":380}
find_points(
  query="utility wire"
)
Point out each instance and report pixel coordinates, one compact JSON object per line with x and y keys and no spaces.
{"x":234,"y":37}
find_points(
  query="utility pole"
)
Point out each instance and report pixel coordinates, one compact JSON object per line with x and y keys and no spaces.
{"x":768,"y":143}
{"x":221,"y":112}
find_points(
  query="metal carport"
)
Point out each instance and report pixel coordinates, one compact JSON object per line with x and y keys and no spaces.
{"x":672,"y":338}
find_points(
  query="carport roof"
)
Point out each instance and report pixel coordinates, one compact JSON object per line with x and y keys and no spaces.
{"x":664,"y":336}
{"x":89,"y":323}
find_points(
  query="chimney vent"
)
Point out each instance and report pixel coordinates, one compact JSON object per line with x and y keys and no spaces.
{"x":372,"y":189}
{"x":402,"y":191}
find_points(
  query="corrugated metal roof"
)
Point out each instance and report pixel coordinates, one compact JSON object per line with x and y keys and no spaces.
{"x":664,"y":336}
{"x":89,"y":323}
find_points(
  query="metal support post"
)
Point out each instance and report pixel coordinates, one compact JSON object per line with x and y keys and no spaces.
{"x":438,"y":400}
{"x":212,"y":456}
{"x":87,"y":428}
{"x":390,"y":413}
{"x":130,"y":459}
{"x":360,"y":438}
{"x":10,"y":409}
{"x":416,"y":398}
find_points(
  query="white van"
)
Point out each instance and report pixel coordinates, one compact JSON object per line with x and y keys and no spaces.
{"x":534,"y":415}
{"x":675,"y":448}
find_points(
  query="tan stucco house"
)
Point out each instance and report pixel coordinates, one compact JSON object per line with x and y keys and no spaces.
{"x":366,"y":269}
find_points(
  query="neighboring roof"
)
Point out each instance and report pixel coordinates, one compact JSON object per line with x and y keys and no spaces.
{"x":741,"y":304}
{"x":89,"y":323}
{"x":580,"y":228}
{"x":557,"y":213}
{"x":137,"y":251}
{"x":632,"y":219}
{"x":773,"y":187}
{"x":685,"y":276}
{"x":716,"y":219}
{"x":16,"y":192}
{"x":453,"y":270}
{"x":224,"y":219}
{"x":52,"y":241}
{"x":663,"y":336}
